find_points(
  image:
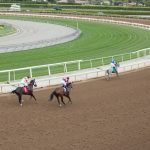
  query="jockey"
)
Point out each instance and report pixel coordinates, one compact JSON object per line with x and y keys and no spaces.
{"x":24,"y":83}
{"x":113,"y":65}
{"x":114,"y":61}
{"x":64,"y":83}
{"x":67,"y":80}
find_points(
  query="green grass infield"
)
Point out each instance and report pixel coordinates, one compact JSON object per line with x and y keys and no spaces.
{"x":96,"y":40}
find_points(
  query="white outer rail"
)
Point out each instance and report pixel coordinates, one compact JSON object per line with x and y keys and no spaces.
{"x":5,"y":88}
{"x":11,"y":74}
{"x":95,"y":73}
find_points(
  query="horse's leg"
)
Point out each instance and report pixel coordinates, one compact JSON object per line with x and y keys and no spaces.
{"x":117,"y":73}
{"x":110,"y":75}
{"x":68,"y":96}
{"x":20,"y":99}
{"x":106,"y":74}
{"x":33,"y":96}
{"x":62,"y":100}
{"x":58,"y":101}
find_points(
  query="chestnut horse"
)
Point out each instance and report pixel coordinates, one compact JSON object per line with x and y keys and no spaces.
{"x":60,"y":93}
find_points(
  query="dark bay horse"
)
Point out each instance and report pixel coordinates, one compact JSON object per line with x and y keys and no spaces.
{"x":59,"y":93}
{"x":19,"y":91}
{"x":110,"y":71}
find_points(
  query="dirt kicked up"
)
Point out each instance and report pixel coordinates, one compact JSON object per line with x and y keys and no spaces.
{"x":105,"y":115}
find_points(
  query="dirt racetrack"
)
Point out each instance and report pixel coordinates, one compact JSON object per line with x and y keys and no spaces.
{"x":105,"y":115}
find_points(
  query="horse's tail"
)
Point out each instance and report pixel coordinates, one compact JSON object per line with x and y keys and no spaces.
{"x":52,"y":95}
{"x":14,"y":91}
{"x":17,"y":90}
{"x":107,"y":72}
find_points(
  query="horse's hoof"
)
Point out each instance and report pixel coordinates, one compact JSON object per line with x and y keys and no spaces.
{"x":21,"y":105}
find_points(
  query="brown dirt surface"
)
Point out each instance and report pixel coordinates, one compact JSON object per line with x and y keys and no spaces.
{"x":105,"y":115}
{"x":127,"y":19}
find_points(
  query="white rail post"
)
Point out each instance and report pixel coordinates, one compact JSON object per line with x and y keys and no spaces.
{"x":49,"y":70}
{"x":14,"y":75}
{"x":102,"y":60}
{"x":130,"y":56}
{"x":79,"y":65}
{"x":65,"y":68}
{"x":30,"y":72}
{"x":91,"y":63}
{"x":9,"y":76}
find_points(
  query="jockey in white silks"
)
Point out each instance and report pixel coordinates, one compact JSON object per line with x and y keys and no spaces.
{"x":24,"y":83}
{"x":64,"y":83}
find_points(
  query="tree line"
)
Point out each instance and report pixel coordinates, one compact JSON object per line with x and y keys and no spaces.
{"x":96,"y":2}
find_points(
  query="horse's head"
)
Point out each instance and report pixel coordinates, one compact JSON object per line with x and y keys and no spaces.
{"x":69,"y":85}
{"x":117,"y":64}
{"x":33,"y":83}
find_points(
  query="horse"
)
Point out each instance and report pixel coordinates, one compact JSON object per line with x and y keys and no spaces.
{"x":60,"y":93}
{"x":110,"y":71}
{"x":19,"y":91}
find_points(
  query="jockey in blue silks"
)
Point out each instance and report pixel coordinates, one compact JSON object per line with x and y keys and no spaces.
{"x":114,"y":61}
{"x":113,"y":65}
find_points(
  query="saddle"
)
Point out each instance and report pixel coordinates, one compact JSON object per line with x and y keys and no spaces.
{"x":65,"y":90}
{"x":25,"y":89}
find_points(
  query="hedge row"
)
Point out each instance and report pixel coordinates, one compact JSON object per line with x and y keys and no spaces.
{"x":96,"y":7}
{"x":126,"y":12}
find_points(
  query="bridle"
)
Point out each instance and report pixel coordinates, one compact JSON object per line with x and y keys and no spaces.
{"x":32,"y":82}
{"x":69,"y":86}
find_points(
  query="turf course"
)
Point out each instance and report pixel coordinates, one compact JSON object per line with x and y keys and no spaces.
{"x":96,"y":40}
{"x":6,"y":29}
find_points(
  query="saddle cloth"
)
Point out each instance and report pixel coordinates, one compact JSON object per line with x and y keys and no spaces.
{"x":25,"y":89}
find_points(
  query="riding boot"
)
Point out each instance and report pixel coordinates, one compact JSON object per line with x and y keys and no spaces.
{"x":64,"y":90}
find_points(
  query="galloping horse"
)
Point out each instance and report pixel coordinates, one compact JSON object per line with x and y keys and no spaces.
{"x":19,"y":91}
{"x":59,"y":92}
{"x":108,"y":72}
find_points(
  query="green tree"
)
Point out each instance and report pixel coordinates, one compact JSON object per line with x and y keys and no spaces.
{"x":147,"y":2}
